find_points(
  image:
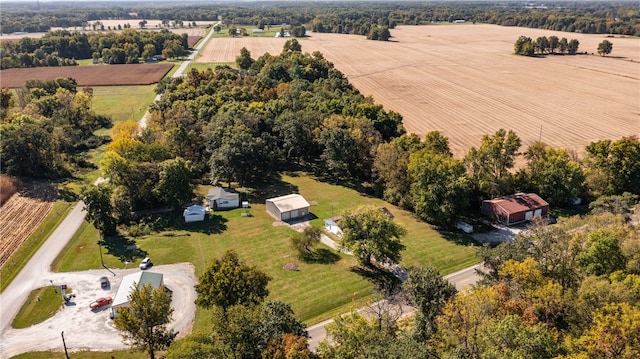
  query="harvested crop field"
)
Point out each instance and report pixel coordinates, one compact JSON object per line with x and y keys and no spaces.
{"x":465,"y":81}
{"x":21,"y":214}
{"x":94,"y":75}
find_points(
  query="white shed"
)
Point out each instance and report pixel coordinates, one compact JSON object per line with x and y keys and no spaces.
{"x":288,"y":207}
{"x":222,"y":198}
{"x":194,"y":213}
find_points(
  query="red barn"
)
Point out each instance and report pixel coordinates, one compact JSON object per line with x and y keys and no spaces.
{"x":516,"y":208}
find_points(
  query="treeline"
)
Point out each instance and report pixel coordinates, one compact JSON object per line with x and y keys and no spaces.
{"x":63,"y":47}
{"x":47,"y":129}
{"x":545,"y":45}
{"x":622,"y":18}
{"x":295,"y":110}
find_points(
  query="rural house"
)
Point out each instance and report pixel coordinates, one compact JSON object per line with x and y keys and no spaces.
{"x":516,"y":208}
{"x":194,"y":213}
{"x":133,"y":281}
{"x":222,"y":198}
{"x":288,"y":207}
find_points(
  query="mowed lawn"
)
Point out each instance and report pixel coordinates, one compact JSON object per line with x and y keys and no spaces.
{"x":123,"y":103}
{"x":317,"y":291}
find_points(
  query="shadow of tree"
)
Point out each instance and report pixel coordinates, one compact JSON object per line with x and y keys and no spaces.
{"x":212,"y":224}
{"x":379,"y":277}
{"x":123,"y":248}
{"x":457,"y":237}
{"x":265,"y":190}
{"x":321,"y":256}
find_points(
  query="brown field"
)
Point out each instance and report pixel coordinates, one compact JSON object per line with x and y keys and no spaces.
{"x":193,"y":40}
{"x":464,"y":81}
{"x":22,"y":214}
{"x":96,"y":75}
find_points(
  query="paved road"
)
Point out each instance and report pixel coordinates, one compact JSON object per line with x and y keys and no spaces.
{"x":12,"y":298}
{"x":460,"y":279}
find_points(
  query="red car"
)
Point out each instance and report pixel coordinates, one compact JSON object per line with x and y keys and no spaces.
{"x":100,"y":302}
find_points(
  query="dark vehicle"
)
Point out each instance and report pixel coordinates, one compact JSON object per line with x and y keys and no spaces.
{"x":104,"y":282}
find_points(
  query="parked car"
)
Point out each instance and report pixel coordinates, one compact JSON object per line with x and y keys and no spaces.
{"x":104,"y":282}
{"x":146,"y":263}
{"x":100,"y":302}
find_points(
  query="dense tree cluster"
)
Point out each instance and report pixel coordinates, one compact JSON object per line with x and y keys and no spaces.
{"x":341,"y":17}
{"x":63,"y":47}
{"x":545,"y":45}
{"x":47,"y":128}
{"x":567,"y":291}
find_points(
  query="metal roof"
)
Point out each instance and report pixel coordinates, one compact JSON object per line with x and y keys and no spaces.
{"x":222,"y":193}
{"x":289,"y":202}
{"x":133,"y":281}
{"x":519,"y":202}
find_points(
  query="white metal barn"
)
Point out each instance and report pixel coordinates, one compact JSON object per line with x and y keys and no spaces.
{"x":194,"y":213}
{"x":288,"y":207}
{"x":222,"y":198}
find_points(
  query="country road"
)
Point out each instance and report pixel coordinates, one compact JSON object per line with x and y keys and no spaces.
{"x":15,"y":294}
{"x":460,"y":279}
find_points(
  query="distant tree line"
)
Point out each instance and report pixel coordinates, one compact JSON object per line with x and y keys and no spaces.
{"x":620,"y":18}
{"x":62,"y":47}
{"x":545,"y":45}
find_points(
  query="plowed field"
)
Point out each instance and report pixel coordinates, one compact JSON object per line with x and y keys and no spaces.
{"x":464,"y":81}
{"x":21,"y":215}
{"x":94,"y":75}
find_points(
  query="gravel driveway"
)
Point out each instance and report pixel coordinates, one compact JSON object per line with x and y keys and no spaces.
{"x":88,"y":330}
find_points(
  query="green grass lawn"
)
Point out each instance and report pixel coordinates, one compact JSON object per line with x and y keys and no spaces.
{"x":317,"y":291}
{"x":20,"y":258}
{"x":41,"y":305}
{"x":123,"y":103}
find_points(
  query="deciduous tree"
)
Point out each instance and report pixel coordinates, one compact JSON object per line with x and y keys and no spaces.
{"x":144,"y":321}
{"x":605,"y":48}
{"x":370,"y":234}
{"x":428,"y":293}
{"x":229,"y":281}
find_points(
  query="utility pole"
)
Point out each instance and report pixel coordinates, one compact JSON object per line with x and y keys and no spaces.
{"x":66,"y":354}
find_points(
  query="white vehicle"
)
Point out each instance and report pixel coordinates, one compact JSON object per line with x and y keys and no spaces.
{"x":146,"y":263}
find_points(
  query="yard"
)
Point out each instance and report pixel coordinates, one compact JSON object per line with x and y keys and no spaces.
{"x":317,"y":291}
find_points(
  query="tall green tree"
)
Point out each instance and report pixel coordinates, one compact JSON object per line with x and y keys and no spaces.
{"x":144,"y":321}
{"x":605,"y":48}
{"x":175,"y":185}
{"x":428,"y":292}
{"x":490,"y":163}
{"x":97,"y":204}
{"x":440,"y":187}
{"x":618,"y":163}
{"x":390,"y":168}
{"x":229,"y":281}
{"x":244,"y":60}
{"x":556,"y":177}
{"x":370,"y":234}
{"x":602,"y":253}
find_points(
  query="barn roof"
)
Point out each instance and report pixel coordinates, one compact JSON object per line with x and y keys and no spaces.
{"x":132,"y":281}
{"x":519,"y":202}
{"x":289,"y":202}
{"x":222,"y":193}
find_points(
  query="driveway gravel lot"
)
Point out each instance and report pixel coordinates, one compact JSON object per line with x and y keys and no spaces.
{"x":85,"y":329}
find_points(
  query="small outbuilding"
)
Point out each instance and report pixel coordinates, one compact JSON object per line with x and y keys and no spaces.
{"x":194,"y":213}
{"x":223,"y":198}
{"x":516,"y":208}
{"x":288,"y":207}
{"x":134,"y":281}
